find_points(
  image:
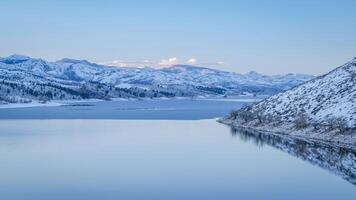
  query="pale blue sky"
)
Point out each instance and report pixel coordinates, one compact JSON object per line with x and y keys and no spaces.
{"x":266,"y":36}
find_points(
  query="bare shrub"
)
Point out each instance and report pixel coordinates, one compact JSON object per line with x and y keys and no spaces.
{"x":43,"y":99}
{"x":301,"y":121}
{"x":338,"y":123}
{"x":8,"y":99}
{"x":316,"y":126}
{"x":257,"y":114}
{"x":25,"y":100}
{"x":233,"y":114}
{"x":275,"y":120}
{"x":245,"y":115}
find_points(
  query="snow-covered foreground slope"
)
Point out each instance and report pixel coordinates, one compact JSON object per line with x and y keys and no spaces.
{"x":23,"y":78}
{"x":323,"y":108}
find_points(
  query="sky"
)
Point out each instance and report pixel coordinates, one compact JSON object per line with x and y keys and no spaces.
{"x":271,"y":36}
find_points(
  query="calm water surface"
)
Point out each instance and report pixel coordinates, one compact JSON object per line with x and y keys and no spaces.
{"x":153,"y":159}
{"x":107,"y":156}
{"x":178,"y":109}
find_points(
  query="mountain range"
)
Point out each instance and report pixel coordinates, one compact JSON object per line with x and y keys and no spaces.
{"x":23,"y":79}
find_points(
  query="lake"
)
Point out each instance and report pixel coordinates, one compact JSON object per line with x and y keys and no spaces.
{"x":131,"y":151}
{"x":177,"y":109}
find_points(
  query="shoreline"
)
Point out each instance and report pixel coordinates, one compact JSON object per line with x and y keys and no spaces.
{"x":346,"y":141}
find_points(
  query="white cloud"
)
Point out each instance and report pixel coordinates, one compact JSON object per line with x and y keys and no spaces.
{"x":127,"y":63}
{"x":192,"y":61}
{"x":220,"y":63}
{"x":118,"y":63}
{"x":168,"y":62}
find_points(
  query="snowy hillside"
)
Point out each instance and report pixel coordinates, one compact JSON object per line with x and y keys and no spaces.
{"x":23,"y":78}
{"x":324,"y":104}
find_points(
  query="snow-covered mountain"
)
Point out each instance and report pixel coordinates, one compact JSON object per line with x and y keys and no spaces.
{"x":24,"y":78}
{"x":322,"y":108}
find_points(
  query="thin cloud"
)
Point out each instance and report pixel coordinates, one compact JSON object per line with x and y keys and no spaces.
{"x":168,"y":62}
{"x":191,"y":61}
{"x":159,"y":64}
{"x":126,"y":63}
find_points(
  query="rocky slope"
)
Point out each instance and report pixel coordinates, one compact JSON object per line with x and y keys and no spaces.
{"x":322,"y":109}
{"x":23,"y":79}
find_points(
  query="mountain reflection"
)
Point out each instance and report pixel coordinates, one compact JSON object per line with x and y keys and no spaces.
{"x":339,"y":161}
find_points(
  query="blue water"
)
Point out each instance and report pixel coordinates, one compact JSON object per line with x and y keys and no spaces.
{"x":150,"y":109}
{"x":161,"y":159}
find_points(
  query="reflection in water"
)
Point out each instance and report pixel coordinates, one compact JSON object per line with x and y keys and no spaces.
{"x":339,"y":161}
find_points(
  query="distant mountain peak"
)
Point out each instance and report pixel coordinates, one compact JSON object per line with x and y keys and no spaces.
{"x":353,"y":60}
{"x":18,"y":57}
{"x":74,"y":61}
{"x":15,"y":58}
{"x":186,"y":66}
{"x":190,"y":67}
{"x":253,"y":73}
